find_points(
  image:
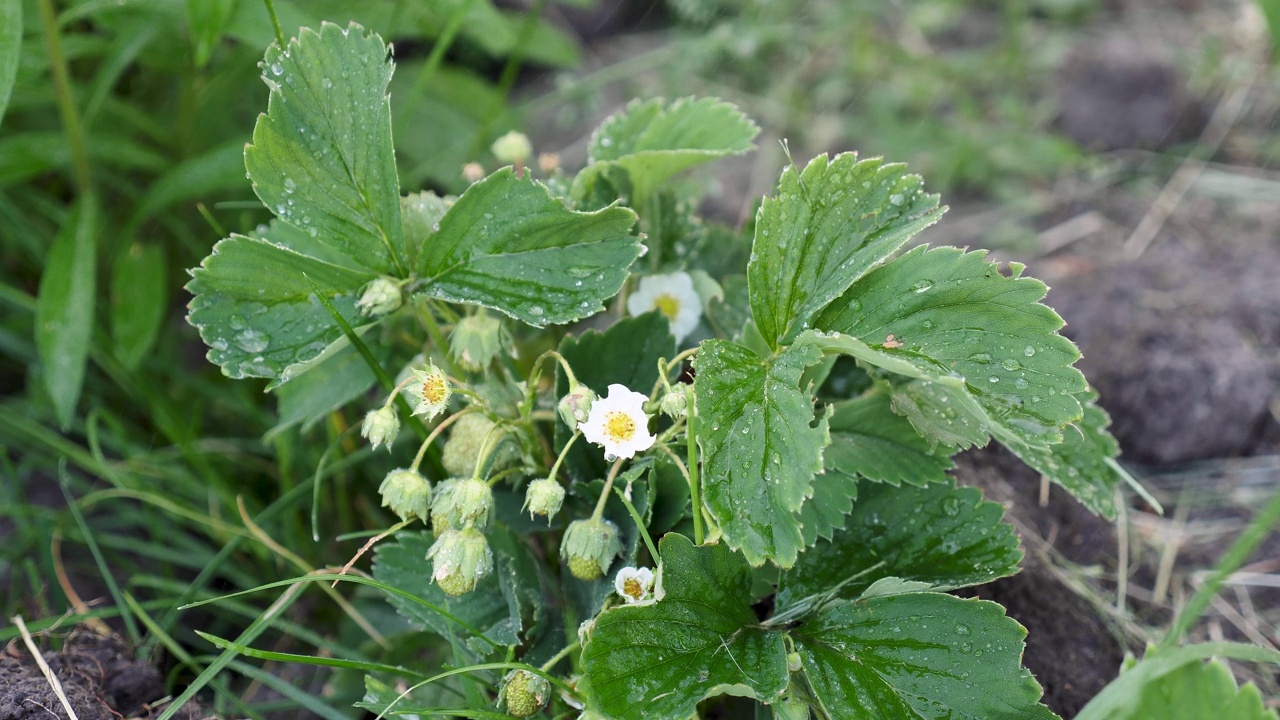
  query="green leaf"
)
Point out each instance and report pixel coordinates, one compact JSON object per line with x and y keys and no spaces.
{"x":404,"y":565}
{"x":338,"y":377}
{"x":1083,"y":463}
{"x":10,"y":48}
{"x":508,"y":245}
{"x":945,"y":536}
{"x":219,"y":170}
{"x":953,"y":313}
{"x":1197,"y":691}
{"x":653,"y":141}
{"x":205,"y":21}
{"x":824,"y":513}
{"x":826,"y":228}
{"x":1123,"y":697}
{"x":139,"y":296}
{"x":918,"y":655}
{"x":626,"y":353}
{"x":321,"y":157}
{"x":700,"y":639}
{"x":760,"y":445}
{"x":65,"y":309}
{"x":254,"y":305}
{"x":942,"y":412}
{"x":869,"y":441}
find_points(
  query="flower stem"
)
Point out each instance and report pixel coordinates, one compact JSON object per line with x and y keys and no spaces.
{"x":608,"y":485}
{"x":546,"y":666}
{"x":564,"y":364}
{"x":438,"y":339}
{"x":486,"y":449}
{"x":417,"y":459}
{"x":563,"y":453}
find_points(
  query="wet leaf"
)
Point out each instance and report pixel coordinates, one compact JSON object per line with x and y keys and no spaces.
{"x":918,"y":655}
{"x":939,"y":534}
{"x":760,"y":445}
{"x":826,"y":227}
{"x":869,"y":441}
{"x":507,"y":244}
{"x":700,"y":639}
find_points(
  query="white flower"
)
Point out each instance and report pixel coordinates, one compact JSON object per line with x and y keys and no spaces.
{"x":429,"y":392}
{"x":671,"y":294}
{"x":618,"y":422}
{"x":634,"y":584}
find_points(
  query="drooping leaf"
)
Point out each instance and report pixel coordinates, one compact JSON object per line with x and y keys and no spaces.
{"x":1196,"y":691}
{"x":942,"y":411}
{"x":918,"y":655}
{"x":1083,"y":463}
{"x":626,"y":353}
{"x":654,"y":140}
{"x":139,"y":293}
{"x":945,"y":536}
{"x":322,"y":158}
{"x":701,"y":638}
{"x":10,"y":48}
{"x":946,"y":312}
{"x":760,"y":445}
{"x":255,"y":308}
{"x":64,"y":313}
{"x":828,"y":226}
{"x":869,"y":441}
{"x":404,"y":564}
{"x":507,"y":244}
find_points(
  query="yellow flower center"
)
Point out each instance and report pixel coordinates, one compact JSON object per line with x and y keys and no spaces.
{"x":435,"y":389}
{"x":668,"y":305}
{"x":632,"y":588}
{"x":618,"y":426}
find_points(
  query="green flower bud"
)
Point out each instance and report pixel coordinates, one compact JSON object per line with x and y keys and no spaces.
{"x":467,"y":439}
{"x":543,"y":497}
{"x":514,"y":147}
{"x":381,"y":426}
{"x":675,"y":403}
{"x":440,"y":520}
{"x":477,"y":340}
{"x":524,"y":693}
{"x":462,"y":504}
{"x":380,"y":297}
{"x":407,"y":493}
{"x":575,"y":407}
{"x":460,"y":559}
{"x":590,"y":546}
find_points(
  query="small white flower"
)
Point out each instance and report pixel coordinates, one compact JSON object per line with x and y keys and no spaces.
{"x":619,"y":423}
{"x":671,"y":294}
{"x":429,"y":392}
{"x":634,"y":584}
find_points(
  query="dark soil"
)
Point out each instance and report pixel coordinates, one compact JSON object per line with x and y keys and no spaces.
{"x":100,"y":679}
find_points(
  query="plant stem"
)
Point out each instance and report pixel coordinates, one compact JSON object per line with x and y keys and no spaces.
{"x":639,"y":521}
{"x":695,"y":487}
{"x":275,"y":23}
{"x":564,"y":365}
{"x":1253,"y":535}
{"x":608,"y":484}
{"x":563,"y":453}
{"x":66,"y":102}
{"x":546,"y":666}
{"x":438,"y":339}
{"x":422,"y":450}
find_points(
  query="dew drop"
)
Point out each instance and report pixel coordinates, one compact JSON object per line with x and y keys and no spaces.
{"x":277,"y":69}
{"x":1029,"y":351}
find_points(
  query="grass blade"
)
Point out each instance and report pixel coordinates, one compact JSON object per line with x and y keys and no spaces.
{"x":64,"y":316}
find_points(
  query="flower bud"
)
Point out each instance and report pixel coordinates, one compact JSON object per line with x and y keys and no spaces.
{"x":476,"y":341}
{"x":575,"y":407}
{"x":589,"y":546}
{"x":460,"y":559}
{"x":466,"y":441}
{"x":462,"y":504}
{"x":675,"y":403}
{"x":380,"y":297}
{"x":524,"y":693}
{"x":543,"y":497}
{"x":429,"y":392}
{"x":381,"y":426}
{"x":473,"y":172}
{"x":512,"y":148}
{"x":439,"y":519}
{"x":407,"y":493}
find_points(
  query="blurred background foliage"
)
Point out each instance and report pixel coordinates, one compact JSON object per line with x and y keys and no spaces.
{"x":121,"y":164}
